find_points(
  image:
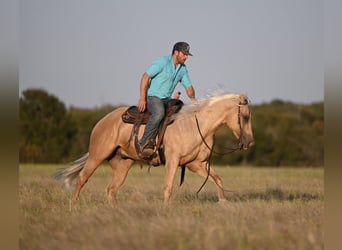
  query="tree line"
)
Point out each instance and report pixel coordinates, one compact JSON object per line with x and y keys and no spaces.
{"x":286,"y":133}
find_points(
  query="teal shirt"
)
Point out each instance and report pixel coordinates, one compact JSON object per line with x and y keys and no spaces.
{"x":165,"y":77}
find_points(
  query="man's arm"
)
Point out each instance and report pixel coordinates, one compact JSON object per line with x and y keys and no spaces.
{"x":190,"y":91}
{"x":145,"y":79}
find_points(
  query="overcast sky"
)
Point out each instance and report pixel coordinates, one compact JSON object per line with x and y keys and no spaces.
{"x":89,"y":53}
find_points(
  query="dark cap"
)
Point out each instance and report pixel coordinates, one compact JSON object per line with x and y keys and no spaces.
{"x":183,"y":47}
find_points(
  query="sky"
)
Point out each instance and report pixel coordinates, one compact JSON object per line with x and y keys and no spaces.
{"x":92,"y":53}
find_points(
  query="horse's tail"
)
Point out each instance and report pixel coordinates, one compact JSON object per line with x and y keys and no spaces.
{"x":68,"y":174}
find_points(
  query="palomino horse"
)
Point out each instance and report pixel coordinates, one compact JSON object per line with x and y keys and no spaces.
{"x":187,"y":142}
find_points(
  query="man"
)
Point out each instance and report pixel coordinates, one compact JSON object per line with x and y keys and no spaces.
{"x":156,"y":87}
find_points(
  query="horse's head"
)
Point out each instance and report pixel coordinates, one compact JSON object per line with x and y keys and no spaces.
{"x":241,"y":123}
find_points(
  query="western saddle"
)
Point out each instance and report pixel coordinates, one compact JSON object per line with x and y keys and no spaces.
{"x":133,"y":116}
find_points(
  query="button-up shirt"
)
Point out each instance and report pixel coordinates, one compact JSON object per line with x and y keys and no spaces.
{"x":165,"y":77}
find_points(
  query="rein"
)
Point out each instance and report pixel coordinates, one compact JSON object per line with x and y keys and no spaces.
{"x":229,"y":150}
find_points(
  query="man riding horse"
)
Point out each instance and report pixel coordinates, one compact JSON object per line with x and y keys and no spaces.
{"x":188,"y":141}
{"x":156,"y":87}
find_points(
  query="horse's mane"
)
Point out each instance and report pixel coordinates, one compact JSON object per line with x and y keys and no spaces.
{"x":189,"y":109}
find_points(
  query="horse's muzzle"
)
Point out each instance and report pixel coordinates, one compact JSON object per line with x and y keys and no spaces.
{"x":247,"y":145}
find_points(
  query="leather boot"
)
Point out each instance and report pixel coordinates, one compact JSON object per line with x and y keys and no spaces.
{"x":147,"y":150}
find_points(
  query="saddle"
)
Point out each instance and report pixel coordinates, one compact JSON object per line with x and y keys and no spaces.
{"x":133,"y":116}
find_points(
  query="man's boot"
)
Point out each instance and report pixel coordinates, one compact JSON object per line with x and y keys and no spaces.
{"x":147,"y":150}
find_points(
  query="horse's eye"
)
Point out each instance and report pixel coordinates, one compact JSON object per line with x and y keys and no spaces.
{"x":246,"y":118}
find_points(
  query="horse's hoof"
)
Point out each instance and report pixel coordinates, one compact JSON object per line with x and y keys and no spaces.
{"x":223,"y":202}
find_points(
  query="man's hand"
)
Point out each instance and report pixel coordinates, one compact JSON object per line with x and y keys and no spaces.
{"x":194,"y":101}
{"x":142,"y":105}
{"x":145,"y":79}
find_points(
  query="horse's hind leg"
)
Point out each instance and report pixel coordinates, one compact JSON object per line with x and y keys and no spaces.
{"x":84,"y":175}
{"x":120,"y":168}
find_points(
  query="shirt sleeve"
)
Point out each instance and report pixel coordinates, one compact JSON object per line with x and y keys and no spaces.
{"x":155,"y":67}
{"x":185,"y":81}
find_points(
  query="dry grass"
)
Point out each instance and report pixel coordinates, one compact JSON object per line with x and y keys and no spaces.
{"x":271,"y":209}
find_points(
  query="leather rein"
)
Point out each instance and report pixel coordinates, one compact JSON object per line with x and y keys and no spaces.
{"x":228,"y":150}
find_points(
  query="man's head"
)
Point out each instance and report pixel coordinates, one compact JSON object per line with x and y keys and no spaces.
{"x":180,"y":52}
{"x":182,"y":47}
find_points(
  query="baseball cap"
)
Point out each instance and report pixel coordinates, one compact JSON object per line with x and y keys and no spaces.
{"x":183,"y":47}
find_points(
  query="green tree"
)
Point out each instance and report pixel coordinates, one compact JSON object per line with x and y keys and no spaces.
{"x":46,"y":130}
{"x":286,"y":134}
{"x":85,"y":120}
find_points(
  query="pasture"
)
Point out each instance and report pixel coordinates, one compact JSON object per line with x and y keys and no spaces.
{"x":270,"y":208}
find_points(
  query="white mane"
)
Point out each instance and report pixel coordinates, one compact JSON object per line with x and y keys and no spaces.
{"x":194,"y":107}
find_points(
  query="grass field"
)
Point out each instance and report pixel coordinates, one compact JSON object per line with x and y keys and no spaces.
{"x":271,"y":208}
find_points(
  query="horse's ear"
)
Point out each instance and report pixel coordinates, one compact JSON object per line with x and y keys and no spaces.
{"x":243,"y":99}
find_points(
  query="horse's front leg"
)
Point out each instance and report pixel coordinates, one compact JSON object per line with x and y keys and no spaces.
{"x":201,"y":168}
{"x":170,"y":171}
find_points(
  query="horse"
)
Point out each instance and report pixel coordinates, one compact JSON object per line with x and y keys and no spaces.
{"x":187,"y":142}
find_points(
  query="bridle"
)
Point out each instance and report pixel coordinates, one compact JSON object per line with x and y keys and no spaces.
{"x":228,"y":150}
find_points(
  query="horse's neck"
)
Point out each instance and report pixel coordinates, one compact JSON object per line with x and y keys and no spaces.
{"x":211,"y":118}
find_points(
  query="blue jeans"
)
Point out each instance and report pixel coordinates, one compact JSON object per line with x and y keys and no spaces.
{"x":156,"y":106}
